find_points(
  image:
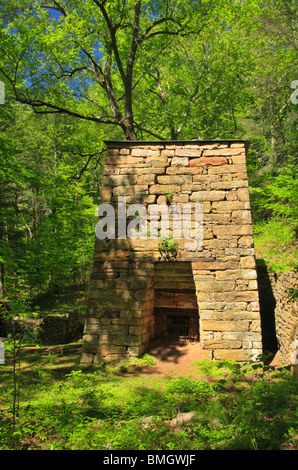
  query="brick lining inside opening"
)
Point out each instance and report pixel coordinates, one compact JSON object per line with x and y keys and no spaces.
{"x":176,"y":315}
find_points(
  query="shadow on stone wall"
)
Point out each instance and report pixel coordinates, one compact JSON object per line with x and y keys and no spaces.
{"x":266,"y":280}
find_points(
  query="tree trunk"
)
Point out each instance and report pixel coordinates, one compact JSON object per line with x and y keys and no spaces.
{"x":129,"y":127}
{"x":1,"y":280}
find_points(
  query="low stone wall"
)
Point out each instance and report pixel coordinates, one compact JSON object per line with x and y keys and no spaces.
{"x":286,"y":316}
{"x":55,"y":328}
{"x":60,"y":329}
{"x":279,"y":313}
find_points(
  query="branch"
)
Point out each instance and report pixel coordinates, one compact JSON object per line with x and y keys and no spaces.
{"x":70,"y":73}
{"x":96,"y":69}
{"x":54,"y":109}
{"x":56,"y":7}
{"x":134,"y":43}
{"x":145,"y":36}
{"x":78,"y":177}
{"x":112,"y":30}
{"x":142,"y":129}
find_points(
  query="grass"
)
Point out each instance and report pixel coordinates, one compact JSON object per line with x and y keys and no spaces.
{"x":276,"y":243}
{"x":65,"y":405}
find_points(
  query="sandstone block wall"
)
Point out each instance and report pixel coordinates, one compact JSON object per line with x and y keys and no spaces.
{"x":121,"y":317}
{"x":279,"y":313}
{"x":286,"y":316}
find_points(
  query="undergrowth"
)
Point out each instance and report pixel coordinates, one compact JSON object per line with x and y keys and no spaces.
{"x":234,"y":406}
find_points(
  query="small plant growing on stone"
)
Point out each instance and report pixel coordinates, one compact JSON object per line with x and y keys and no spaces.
{"x":168,"y":195}
{"x":168,"y":249}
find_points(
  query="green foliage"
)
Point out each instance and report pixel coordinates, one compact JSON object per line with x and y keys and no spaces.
{"x":161,"y":70}
{"x":276,"y":194}
{"x":47,"y":204}
{"x":168,"y":249}
{"x":21,"y":332}
{"x":274,"y":198}
{"x":185,"y":394}
{"x":235,"y":407}
{"x":276,"y":242}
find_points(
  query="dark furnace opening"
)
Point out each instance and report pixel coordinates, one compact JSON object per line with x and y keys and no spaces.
{"x":176,"y":315}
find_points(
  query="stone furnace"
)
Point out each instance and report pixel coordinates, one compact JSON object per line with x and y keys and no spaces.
{"x":194,"y":282}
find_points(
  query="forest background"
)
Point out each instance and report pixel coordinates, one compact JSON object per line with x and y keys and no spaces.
{"x":79,"y":72}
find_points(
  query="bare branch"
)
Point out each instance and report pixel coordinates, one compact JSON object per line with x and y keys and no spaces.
{"x":50,"y":108}
{"x":70,"y":73}
{"x":90,"y":156}
{"x":112,"y":30}
{"x":96,"y":69}
{"x":146,"y":34}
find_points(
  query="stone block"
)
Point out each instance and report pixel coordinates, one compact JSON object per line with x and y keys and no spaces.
{"x":180,"y":199}
{"x":243,"y":194}
{"x":232,"y":168}
{"x":230,"y":185}
{"x":130,"y":190}
{"x":222,"y":344}
{"x":224,"y":151}
{"x":215,"y":286}
{"x":247,"y":296}
{"x":200,"y":196}
{"x":141,"y":170}
{"x":217,"y":325}
{"x":173,"y":179}
{"x":86,"y":358}
{"x":248,"y":262}
{"x":168,"y":152}
{"x":124,"y":151}
{"x":229,"y":206}
{"x":183,"y":170}
{"x":229,"y":274}
{"x":124,"y":160}
{"x":164,"y":189}
{"x":237,"y":145}
{"x":146,"y":179}
{"x":230,"y":230}
{"x":157,"y":161}
{"x":141,"y":152}
{"x":239,"y":159}
{"x":206,"y":161}
{"x":179,"y":161}
{"x":214,"y":265}
{"x":107,"y":349}
{"x":90,"y":342}
{"x":241,"y":217}
{"x":106,"y":194}
{"x":119,"y":180}
{"x":112,"y":152}
{"x":124,"y":340}
{"x":246,"y":241}
{"x":238,"y":355}
{"x":188,"y":152}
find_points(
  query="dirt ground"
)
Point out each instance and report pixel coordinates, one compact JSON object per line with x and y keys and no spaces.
{"x":174,"y":357}
{"x":179,"y":357}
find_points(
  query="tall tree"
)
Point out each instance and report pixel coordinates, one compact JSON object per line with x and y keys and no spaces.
{"x":59,"y":55}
